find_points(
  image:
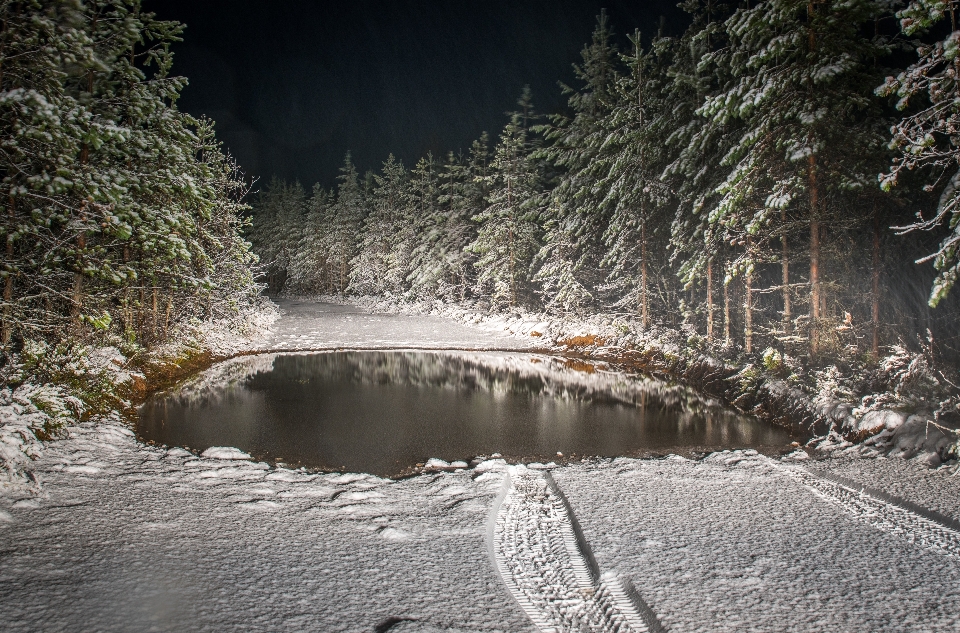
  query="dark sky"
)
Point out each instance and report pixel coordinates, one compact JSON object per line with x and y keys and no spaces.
{"x":293,"y":85}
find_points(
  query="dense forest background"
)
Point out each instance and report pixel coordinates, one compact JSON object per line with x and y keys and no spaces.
{"x":784,"y":173}
{"x":120,"y":215}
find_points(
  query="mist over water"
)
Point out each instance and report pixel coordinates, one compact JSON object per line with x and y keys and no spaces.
{"x":385,"y":412}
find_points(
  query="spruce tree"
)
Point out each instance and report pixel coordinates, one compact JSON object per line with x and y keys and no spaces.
{"x":576,"y":216}
{"x":507,"y":237}
{"x":928,"y":139}
{"x":373,"y":271}
{"x":801,"y":86}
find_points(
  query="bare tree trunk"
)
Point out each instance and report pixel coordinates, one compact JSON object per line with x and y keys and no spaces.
{"x":7,"y":332}
{"x":815,"y":298}
{"x":166,"y":321}
{"x":76,"y":302}
{"x":875,"y":298}
{"x":815,"y":291}
{"x":785,"y":270}
{"x":156,"y":313}
{"x":726,"y":313}
{"x":645,"y":310}
{"x":710,"y":300}
{"x":748,"y":306}
{"x":513,"y":279}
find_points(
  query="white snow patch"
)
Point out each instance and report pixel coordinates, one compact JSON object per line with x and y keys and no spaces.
{"x":224,"y":452}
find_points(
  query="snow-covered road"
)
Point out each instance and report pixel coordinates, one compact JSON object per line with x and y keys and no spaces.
{"x":128,"y":537}
{"x":306,"y":325}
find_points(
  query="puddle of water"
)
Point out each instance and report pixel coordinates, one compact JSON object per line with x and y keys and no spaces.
{"x":385,"y":412}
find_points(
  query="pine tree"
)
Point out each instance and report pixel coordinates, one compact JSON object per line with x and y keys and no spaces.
{"x":696,"y":146}
{"x":308,"y":269}
{"x":347,"y":214}
{"x":427,"y":221}
{"x":801,"y":88}
{"x":373,"y":270}
{"x":507,"y":237}
{"x":110,"y":191}
{"x":928,"y":139}
{"x":576,"y":216}
{"x":633,"y":156}
{"x":441,"y":266}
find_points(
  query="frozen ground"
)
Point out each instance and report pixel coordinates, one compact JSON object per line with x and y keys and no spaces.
{"x":127,"y":537}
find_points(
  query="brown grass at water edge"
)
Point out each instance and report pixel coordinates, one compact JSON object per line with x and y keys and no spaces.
{"x":163,"y":373}
{"x":579,"y":365}
{"x":589,"y":340}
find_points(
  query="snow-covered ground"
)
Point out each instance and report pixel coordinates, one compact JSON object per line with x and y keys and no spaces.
{"x":307,"y":325}
{"x":127,"y":537}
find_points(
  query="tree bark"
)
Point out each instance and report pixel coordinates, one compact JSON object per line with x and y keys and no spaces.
{"x":77,"y":298}
{"x":875,"y":298}
{"x":815,"y":292}
{"x":748,"y":306}
{"x":726,"y":313}
{"x":7,"y":331}
{"x":785,"y":270}
{"x":710,"y":300}
{"x":815,"y":298}
{"x":645,"y":311}
{"x":156,"y":312}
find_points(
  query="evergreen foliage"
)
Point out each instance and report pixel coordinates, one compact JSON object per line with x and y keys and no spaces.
{"x":725,"y":180}
{"x":120,"y":213}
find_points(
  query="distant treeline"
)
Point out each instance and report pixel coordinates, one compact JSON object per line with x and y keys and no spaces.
{"x":120,"y":215}
{"x":784,"y":173}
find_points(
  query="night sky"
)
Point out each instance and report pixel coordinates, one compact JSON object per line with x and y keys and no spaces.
{"x":293,"y":85}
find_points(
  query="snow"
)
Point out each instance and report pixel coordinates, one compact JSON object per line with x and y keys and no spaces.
{"x":122,"y":536}
{"x":224,"y":452}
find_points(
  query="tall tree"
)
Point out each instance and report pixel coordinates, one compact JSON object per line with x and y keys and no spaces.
{"x":507,"y":236}
{"x":802,"y":77}
{"x":576,"y":215}
{"x":929,"y":138}
{"x":374,"y":269}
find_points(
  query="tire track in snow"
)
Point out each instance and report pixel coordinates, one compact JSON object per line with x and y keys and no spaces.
{"x":543,"y":558}
{"x":883,"y":511}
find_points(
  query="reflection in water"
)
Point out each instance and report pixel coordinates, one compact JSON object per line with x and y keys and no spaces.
{"x":383,"y":412}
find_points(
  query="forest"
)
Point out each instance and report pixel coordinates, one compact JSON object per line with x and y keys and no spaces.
{"x":121,"y":215}
{"x":784,"y":173}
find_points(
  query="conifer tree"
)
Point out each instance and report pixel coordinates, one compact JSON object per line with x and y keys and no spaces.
{"x":374,"y":270}
{"x":110,"y":192}
{"x":347,"y":217}
{"x":507,"y":236}
{"x":576,"y":215}
{"x":309,"y":270}
{"x":633,"y":158}
{"x":928,"y":139}
{"x":801,"y":75}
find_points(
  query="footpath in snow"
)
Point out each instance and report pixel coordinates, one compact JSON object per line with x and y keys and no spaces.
{"x":128,"y":537}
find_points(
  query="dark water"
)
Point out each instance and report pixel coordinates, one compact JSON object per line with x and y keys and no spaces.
{"x":385,"y":412}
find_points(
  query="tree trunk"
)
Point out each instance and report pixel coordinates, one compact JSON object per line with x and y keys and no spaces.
{"x":156,"y":313}
{"x":77,"y":298}
{"x":815,"y":294}
{"x":726,"y":313}
{"x":645,"y":310}
{"x":7,"y":331}
{"x":710,"y":300}
{"x":748,"y":306}
{"x":815,"y":298}
{"x":785,"y":270}
{"x":513,"y":282}
{"x":875,"y":298}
